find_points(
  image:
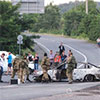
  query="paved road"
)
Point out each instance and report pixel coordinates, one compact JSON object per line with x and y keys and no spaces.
{"x":83,"y":50}
{"x":53,"y":91}
{"x":39,"y":91}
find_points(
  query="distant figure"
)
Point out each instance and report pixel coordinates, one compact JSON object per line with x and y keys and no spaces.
{"x":9,"y":63}
{"x":36,"y":62}
{"x":51,"y":57}
{"x":1,"y":65}
{"x":98,"y":42}
{"x":61,"y":48}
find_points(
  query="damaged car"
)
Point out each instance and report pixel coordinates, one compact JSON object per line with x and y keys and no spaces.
{"x":88,"y":73}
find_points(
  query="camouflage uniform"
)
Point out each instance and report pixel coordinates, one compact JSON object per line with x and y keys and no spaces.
{"x":45,"y":64}
{"x":23,"y":65}
{"x":71,"y":65}
{"x":21,"y":68}
{"x":27,"y":70}
{"x":16,"y":68}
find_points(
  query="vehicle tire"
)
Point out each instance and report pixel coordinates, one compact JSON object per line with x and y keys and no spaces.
{"x":89,"y":78}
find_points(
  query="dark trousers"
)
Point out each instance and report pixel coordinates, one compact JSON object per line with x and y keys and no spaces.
{"x":1,"y":72}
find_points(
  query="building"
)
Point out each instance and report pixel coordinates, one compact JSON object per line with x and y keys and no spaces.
{"x":30,"y":6}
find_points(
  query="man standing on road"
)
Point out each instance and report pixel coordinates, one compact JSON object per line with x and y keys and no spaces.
{"x":20,"y":67}
{"x":45,"y":64}
{"x":71,"y":65}
{"x":9,"y":63}
{"x":61,"y":48}
{"x":57,"y":59}
{"x":1,"y":65}
{"x":16,"y":68}
{"x":63,"y":59}
{"x":36,"y":62}
{"x":23,"y":67}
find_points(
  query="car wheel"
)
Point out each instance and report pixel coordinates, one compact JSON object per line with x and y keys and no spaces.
{"x":89,"y":78}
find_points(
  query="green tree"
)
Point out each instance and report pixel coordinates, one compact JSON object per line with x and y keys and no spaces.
{"x":9,"y":27}
{"x":77,"y":22}
{"x":94,"y":32}
{"x":28,"y":21}
{"x":72,"y":21}
{"x":50,"y":19}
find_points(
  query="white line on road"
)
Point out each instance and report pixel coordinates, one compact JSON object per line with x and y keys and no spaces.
{"x":8,"y":86}
{"x":42,"y":46}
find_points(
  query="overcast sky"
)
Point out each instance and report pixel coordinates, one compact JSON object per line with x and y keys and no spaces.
{"x":57,"y":2}
{"x":62,"y":1}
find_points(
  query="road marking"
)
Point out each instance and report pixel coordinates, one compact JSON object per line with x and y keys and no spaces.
{"x":48,"y":50}
{"x":77,"y":52}
{"x":8,"y":86}
{"x":68,"y":47}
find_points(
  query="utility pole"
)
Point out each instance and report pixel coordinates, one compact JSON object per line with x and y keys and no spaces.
{"x":86,"y":6}
{"x":76,"y":3}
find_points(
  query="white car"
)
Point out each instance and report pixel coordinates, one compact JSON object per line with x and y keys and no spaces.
{"x":6,"y":61}
{"x":88,"y":72}
{"x":31,"y":65}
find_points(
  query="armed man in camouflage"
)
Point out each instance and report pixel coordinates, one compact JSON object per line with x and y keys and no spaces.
{"x":45,"y":64}
{"x":20,"y":66}
{"x":16,"y":68}
{"x":25,"y":70}
{"x":71,"y":65}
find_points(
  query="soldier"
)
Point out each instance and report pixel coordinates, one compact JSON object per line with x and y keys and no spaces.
{"x":61,"y":48}
{"x":16,"y":68}
{"x":71,"y":65}
{"x":45,"y":64}
{"x":27,"y":70}
{"x":21,"y":68}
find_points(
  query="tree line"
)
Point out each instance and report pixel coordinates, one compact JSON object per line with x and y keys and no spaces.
{"x":11,"y":25}
{"x":74,"y":22}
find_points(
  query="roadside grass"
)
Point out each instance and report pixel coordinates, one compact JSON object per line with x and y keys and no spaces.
{"x":25,"y":51}
{"x":81,"y":37}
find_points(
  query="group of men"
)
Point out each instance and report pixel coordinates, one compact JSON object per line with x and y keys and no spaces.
{"x":20,"y":66}
{"x":54,"y":60}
